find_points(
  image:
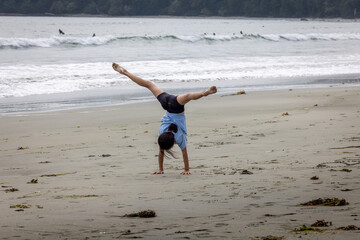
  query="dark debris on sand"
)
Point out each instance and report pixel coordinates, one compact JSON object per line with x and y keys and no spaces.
{"x":105,"y":155}
{"x":346,"y":190}
{"x":349,"y":228}
{"x":21,"y":206}
{"x":326,"y":202}
{"x":22,"y":148}
{"x":321,"y":223}
{"x":345,"y":170}
{"x":307,"y":229}
{"x":11,"y":190}
{"x":246,"y":172}
{"x":44,"y":162}
{"x":33,"y":181}
{"x":142,"y":214}
{"x":268,"y":238}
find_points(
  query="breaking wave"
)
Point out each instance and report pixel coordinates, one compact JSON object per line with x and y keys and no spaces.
{"x":56,"y":41}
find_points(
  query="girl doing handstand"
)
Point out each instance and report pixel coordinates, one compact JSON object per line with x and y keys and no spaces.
{"x":173,"y":124}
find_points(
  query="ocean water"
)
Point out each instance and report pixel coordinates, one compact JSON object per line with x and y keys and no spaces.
{"x":41,"y":70}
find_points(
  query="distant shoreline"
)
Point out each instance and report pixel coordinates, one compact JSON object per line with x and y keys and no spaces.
{"x":176,"y":17}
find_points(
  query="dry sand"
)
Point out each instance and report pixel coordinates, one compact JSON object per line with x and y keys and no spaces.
{"x":82,"y":193}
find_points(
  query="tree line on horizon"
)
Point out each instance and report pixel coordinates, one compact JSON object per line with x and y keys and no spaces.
{"x":245,"y":8}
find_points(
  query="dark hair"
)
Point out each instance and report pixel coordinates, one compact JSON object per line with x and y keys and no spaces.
{"x":173,"y":128}
{"x":167,"y":139}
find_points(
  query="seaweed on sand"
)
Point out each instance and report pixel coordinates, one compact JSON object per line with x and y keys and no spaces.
{"x":240,"y":92}
{"x":345,"y":170}
{"x":246,"y":172}
{"x":11,"y":190}
{"x":349,"y":228}
{"x":326,"y":202}
{"x":22,"y":148}
{"x":321,"y":223}
{"x":307,"y":229}
{"x":142,"y":214}
{"x":33,"y":181}
{"x":22,"y":206}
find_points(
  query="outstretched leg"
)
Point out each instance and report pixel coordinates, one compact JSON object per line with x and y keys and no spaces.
{"x":144,"y":83}
{"x":185,"y":98}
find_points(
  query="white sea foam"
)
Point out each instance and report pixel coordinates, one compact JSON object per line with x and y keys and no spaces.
{"x":48,"y":79}
{"x":271,"y":37}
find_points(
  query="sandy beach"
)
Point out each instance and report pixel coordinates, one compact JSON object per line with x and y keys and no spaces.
{"x":74,"y":174}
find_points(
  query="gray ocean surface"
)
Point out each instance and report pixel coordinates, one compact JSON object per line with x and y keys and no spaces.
{"x":41,"y":70}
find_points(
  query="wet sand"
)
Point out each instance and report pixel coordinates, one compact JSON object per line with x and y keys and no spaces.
{"x":251,"y":167}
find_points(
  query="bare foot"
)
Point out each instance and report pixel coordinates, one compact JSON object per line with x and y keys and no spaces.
{"x":119,"y":69}
{"x":210,"y":90}
{"x":185,"y":173}
{"x":158,"y":172}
